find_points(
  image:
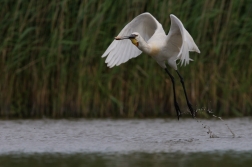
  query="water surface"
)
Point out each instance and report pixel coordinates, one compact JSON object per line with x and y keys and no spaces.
{"x":130,"y":142}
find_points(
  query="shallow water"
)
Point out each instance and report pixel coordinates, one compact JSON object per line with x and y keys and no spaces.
{"x":129,"y":142}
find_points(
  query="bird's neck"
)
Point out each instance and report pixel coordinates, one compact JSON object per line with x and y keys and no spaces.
{"x":149,"y":49}
{"x":145,"y":47}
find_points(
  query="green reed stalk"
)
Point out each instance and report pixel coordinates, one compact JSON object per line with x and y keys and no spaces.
{"x":50,"y":59}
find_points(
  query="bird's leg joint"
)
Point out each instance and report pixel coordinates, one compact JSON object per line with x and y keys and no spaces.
{"x":181,"y":80}
{"x":172,"y":78}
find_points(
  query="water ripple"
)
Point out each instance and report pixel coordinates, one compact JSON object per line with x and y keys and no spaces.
{"x":149,"y":135}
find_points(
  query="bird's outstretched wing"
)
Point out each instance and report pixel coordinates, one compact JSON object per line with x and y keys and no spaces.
{"x":121,"y":51}
{"x":179,"y":39}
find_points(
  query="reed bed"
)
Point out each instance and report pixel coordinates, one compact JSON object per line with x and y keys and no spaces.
{"x":51,"y":65}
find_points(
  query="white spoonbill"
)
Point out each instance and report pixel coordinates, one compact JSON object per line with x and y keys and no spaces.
{"x":147,"y":35}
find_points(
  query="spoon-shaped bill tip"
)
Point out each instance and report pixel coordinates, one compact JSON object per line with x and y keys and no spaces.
{"x":118,"y":38}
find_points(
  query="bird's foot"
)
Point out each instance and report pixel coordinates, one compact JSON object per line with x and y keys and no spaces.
{"x":191,"y":109}
{"x":177,"y":110}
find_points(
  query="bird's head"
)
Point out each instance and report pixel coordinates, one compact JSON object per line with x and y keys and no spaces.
{"x":134,"y":37}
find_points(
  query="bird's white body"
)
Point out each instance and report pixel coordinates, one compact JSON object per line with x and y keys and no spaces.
{"x":152,"y":40}
{"x":148,"y":36}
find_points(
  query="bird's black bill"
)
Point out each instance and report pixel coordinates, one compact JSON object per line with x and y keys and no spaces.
{"x":132,"y":36}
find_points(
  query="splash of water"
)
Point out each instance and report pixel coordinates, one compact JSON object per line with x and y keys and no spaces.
{"x":225,"y":124}
{"x":210,"y":112}
{"x":212,"y":135}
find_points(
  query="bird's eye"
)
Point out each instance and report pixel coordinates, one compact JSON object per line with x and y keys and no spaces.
{"x":134,"y":35}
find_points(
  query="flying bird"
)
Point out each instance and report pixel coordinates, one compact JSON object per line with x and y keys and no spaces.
{"x":145,"y":34}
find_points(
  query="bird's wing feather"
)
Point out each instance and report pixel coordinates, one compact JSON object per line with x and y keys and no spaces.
{"x":120,"y":51}
{"x":180,"y":41}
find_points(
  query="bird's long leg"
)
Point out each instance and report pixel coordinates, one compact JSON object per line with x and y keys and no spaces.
{"x":174,"y":94}
{"x":188,"y":103}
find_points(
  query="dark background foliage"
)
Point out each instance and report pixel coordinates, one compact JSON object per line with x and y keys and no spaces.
{"x":51,"y":65}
